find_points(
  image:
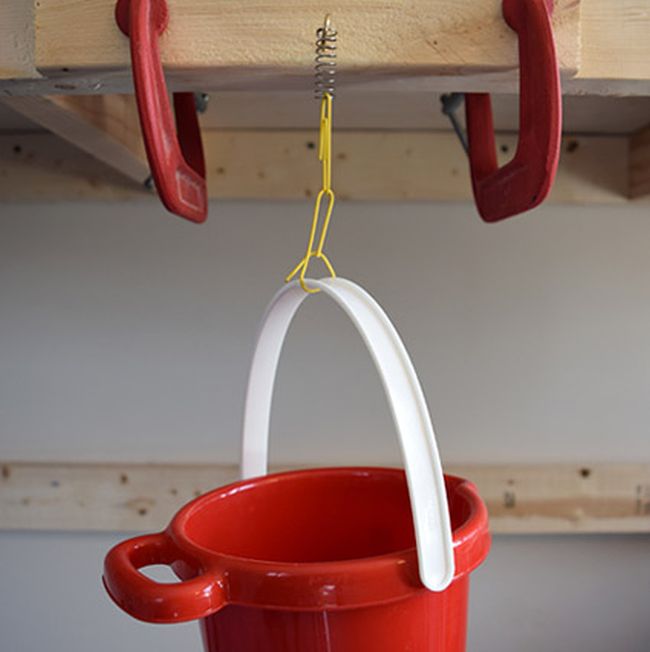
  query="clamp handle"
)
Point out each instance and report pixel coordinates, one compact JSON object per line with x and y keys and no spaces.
{"x":526,"y":180}
{"x":176,"y":159}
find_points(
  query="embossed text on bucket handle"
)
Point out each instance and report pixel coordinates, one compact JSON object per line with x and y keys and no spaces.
{"x":526,"y":180}
{"x":176,"y":160}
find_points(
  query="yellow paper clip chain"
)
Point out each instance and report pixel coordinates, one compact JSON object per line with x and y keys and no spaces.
{"x":325,"y":156}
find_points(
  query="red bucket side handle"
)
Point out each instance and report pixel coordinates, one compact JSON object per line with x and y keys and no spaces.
{"x":152,"y":601}
{"x":175,"y":152}
{"x":526,"y":180}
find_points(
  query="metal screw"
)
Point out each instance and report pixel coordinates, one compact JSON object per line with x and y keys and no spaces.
{"x":201,"y":101}
{"x":450,"y":104}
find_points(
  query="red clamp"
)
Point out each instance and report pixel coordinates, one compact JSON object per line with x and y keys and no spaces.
{"x":176,"y":161}
{"x":526,"y":180}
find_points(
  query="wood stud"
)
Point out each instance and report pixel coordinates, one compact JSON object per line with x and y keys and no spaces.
{"x":420,"y":166}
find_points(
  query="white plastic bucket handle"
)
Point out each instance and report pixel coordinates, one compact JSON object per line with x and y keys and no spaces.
{"x":408,"y":407}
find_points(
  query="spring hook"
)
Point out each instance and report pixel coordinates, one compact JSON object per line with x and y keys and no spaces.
{"x":325,"y":68}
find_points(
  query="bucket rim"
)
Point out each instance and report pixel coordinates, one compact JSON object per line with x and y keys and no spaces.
{"x":329,"y":584}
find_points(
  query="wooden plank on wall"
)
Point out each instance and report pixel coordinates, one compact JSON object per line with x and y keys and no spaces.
{"x":261,"y":45}
{"x":521,"y":499}
{"x":104,"y":126}
{"x":428,"y":166}
{"x":395,"y":166}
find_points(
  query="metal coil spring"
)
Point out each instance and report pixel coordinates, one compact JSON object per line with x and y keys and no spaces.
{"x":325,"y":67}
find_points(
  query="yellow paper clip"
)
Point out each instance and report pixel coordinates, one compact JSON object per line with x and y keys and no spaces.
{"x":325,"y":156}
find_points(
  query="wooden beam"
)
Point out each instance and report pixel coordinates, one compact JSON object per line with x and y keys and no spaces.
{"x":43,"y":167}
{"x":434,"y":45}
{"x":17,"y":40}
{"x":104,"y":126}
{"x":521,"y":499}
{"x":257,"y":45}
{"x":640,"y":163}
{"x":428,"y":166}
{"x":395,"y":166}
{"x":615,"y":54}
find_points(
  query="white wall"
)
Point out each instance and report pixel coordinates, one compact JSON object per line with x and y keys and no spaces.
{"x":126,"y":334}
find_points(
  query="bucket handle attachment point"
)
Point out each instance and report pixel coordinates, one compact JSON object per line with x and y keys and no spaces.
{"x":157,"y":602}
{"x":175,"y":158}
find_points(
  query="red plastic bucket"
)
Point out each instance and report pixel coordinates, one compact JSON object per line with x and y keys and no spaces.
{"x":331,"y":560}
{"x":313,"y":560}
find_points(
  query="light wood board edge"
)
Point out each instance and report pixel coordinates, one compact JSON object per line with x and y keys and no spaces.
{"x":521,"y":498}
{"x":615,"y":49}
{"x":368,"y":165}
{"x":104,"y":126}
{"x":17,"y":40}
{"x":46,"y":168}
